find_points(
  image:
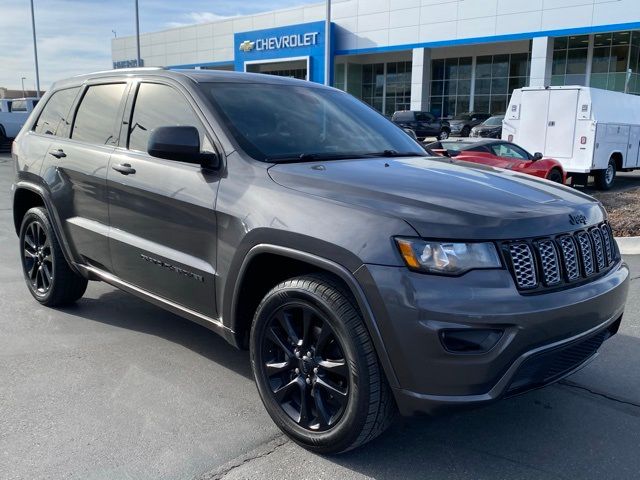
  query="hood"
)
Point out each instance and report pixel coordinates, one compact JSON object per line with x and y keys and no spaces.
{"x":445,"y":199}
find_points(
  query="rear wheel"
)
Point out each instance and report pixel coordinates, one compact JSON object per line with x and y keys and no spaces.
{"x":444,"y":134}
{"x":315,"y":366}
{"x":605,"y":179}
{"x":46,"y":272}
{"x":555,"y":175}
{"x":465,"y":131}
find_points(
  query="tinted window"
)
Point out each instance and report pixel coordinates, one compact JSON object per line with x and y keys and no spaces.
{"x":424,"y":117}
{"x":286,"y":122}
{"x":403,"y":117}
{"x":56,"y":112}
{"x":19,"y":106}
{"x":159,"y":106}
{"x":494,"y":121}
{"x":509,"y":151}
{"x":96,"y":119}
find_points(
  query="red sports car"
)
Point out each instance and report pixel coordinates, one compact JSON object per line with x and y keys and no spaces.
{"x":501,"y":154}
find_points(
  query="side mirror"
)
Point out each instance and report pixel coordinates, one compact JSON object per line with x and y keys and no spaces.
{"x":537,"y":156}
{"x":181,"y":144}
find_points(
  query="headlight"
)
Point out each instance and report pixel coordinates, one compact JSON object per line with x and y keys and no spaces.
{"x":447,"y":257}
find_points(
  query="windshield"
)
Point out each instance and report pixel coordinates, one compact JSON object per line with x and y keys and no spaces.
{"x":294,"y":123}
{"x":456,"y":146}
{"x":494,"y":121}
{"x":462,"y":116}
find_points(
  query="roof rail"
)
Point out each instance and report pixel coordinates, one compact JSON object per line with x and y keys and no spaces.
{"x":124,"y":70}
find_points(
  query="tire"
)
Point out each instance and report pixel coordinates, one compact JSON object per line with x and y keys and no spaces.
{"x":46,"y":272}
{"x":357,"y":405}
{"x":444,"y":134}
{"x":555,"y":175}
{"x":604,"y":179}
{"x":466,"y":131}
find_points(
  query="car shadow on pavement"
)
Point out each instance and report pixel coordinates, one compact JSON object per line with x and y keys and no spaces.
{"x":558,"y":432}
{"x":120,"y":309}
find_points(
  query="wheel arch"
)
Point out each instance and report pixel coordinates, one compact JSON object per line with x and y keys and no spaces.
{"x":249,"y":289}
{"x":28,"y":195}
{"x":618,"y":158}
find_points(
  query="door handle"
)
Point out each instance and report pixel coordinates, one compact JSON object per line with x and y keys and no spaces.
{"x":124,"y":169}
{"x":58,"y":153}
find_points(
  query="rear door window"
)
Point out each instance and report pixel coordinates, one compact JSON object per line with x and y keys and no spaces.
{"x":19,"y":106}
{"x":159,"y":105}
{"x":56,"y":113}
{"x":97,"y":115}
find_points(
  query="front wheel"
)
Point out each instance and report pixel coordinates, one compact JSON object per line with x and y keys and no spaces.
{"x":605,"y":179}
{"x":46,"y":272}
{"x":555,"y":175}
{"x":444,"y":134}
{"x":315,"y":366}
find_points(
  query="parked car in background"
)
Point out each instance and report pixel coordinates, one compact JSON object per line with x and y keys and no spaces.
{"x":591,"y":131}
{"x":490,"y":128}
{"x":13,"y":113}
{"x":462,"y":124}
{"x":425,"y":124}
{"x":501,"y":154}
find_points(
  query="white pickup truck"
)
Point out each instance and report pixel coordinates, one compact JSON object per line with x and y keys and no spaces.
{"x":13,"y":113}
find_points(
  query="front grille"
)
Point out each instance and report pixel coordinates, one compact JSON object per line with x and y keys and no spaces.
{"x":523,"y":265}
{"x":541,"y":264}
{"x":549,"y":366}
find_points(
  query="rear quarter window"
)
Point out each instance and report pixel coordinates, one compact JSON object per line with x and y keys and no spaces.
{"x":56,"y":113}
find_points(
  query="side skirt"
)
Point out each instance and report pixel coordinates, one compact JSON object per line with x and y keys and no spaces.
{"x":213,"y":324}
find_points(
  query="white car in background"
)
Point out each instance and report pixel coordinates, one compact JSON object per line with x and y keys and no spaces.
{"x":13,"y":113}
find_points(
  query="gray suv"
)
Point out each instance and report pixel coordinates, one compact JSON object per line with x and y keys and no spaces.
{"x":295,"y":221}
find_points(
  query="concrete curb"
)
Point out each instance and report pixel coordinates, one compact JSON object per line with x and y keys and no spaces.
{"x":629,"y":245}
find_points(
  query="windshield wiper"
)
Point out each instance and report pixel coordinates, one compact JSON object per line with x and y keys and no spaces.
{"x":395,"y":153}
{"x":309,"y":157}
{"x":314,"y":157}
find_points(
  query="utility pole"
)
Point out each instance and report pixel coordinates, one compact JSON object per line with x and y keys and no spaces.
{"x":35,"y":50}
{"x":137,"y":34}
{"x":24,"y":93}
{"x":327,"y":45}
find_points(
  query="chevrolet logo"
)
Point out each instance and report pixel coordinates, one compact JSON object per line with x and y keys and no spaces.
{"x":247,"y":45}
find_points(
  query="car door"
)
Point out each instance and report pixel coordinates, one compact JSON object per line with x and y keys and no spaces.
{"x":425,"y":125}
{"x":77,"y":171}
{"x":162,"y":217}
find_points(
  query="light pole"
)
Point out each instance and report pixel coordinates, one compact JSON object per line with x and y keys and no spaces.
{"x":35,"y":50}
{"x":24,"y":94}
{"x":137,"y":34}
{"x":327,"y":45}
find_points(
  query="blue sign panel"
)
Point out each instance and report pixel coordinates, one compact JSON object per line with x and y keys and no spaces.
{"x":305,"y":40}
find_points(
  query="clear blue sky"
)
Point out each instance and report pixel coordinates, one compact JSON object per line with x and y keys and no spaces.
{"x":74,"y":36}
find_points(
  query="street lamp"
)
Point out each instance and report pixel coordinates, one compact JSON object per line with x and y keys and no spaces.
{"x":24,"y":94}
{"x":138,"y":34}
{"x":35,"y":50}
{"x":327,"y":44}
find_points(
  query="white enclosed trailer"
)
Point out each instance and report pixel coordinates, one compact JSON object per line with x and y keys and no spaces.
{"x":590,"y":131}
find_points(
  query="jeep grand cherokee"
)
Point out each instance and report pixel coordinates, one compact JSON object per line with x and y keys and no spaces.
{"x":297,"y":222}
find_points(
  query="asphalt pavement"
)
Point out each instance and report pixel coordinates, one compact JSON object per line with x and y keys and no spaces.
{"x":115,"y":388}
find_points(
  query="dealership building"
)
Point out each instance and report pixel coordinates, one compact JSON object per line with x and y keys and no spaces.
{"x":445,"y":56}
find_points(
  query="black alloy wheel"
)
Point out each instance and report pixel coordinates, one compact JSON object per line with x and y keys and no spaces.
{"x":466,"y":131}
{"x":306,"y":366}
{"x":315,"y":366}
{"x":47,"y":274}
{"x":37,"y":258}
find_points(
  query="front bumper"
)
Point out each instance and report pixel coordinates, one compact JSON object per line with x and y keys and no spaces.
{"x":546,"y":336}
